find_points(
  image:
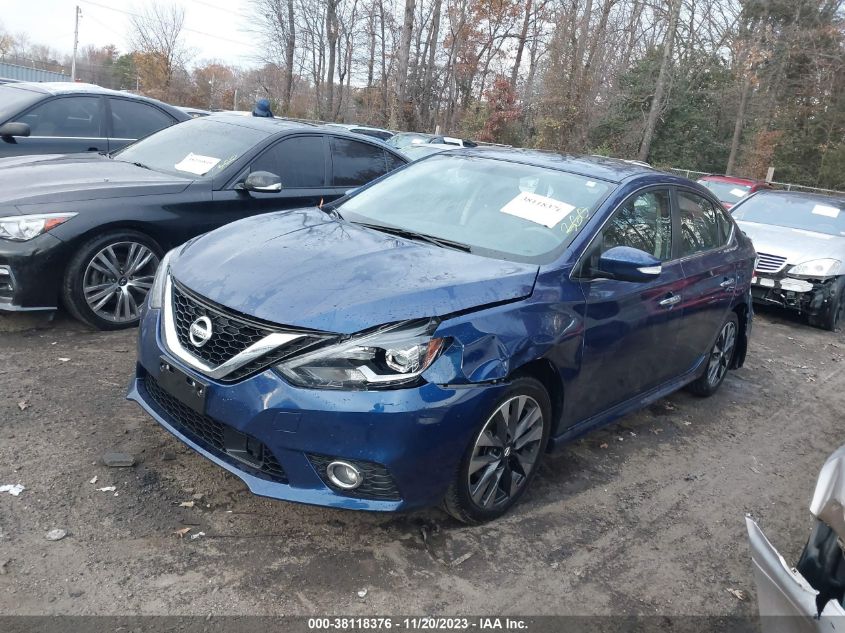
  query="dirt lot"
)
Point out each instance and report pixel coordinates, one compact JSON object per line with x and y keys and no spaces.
{"x":645,"y":517}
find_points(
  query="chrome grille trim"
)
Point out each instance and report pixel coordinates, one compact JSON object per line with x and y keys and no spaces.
{"x":171,"y":340}
{"x":767,"y":263}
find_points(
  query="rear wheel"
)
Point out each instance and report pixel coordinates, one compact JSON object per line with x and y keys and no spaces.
{"x":108,"y":279}
{"x":504,"y":455}
{"x":719,"y":360}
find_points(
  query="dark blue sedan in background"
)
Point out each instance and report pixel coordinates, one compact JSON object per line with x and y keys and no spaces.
{"x":429,"y":337}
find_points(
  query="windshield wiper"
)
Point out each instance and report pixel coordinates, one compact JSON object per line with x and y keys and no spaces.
{"x":422,"y":237}
{"x":330,"y":209}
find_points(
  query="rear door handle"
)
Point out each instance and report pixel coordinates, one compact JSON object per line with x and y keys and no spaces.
{"x":671,"y":300}
{"x":728,"y":283}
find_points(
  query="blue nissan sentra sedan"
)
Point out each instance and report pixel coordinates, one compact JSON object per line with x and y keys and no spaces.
{"x":427,"y":338}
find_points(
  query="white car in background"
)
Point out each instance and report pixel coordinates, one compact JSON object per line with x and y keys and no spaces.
{"x":800,"y":244}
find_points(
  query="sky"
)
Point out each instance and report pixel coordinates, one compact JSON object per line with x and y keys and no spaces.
{"x":214,"y":29}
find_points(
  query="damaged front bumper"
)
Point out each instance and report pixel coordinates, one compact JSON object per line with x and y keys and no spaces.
{"x":804,"y":295}
{"x":810,"y":596}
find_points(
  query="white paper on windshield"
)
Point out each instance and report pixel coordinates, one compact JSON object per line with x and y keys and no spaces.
{"x":739,"y":193}
{"x":197,"y":164}
{"x":828,"y":212}
{"x":538,"y":209}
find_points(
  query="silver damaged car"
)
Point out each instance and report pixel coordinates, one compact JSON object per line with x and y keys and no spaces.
{"x":800,"y":243}
{"x":808,"y":597}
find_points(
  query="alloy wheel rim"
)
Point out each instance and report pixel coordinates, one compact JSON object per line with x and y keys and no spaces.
{"x":118,"y":279}
{"x":505,"y":452}
{"x":721,"y":354}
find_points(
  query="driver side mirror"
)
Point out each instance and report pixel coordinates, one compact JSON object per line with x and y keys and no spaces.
{"x":261,"y":182}
{"x":624,"y":263}
{"x":13,"y":128}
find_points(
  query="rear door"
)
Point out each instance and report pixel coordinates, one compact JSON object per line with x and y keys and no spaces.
{"x":709,"y":257}
{"x":631,"y":329}
{"x":300,"y":162}
{"x":130,"y":120}
{"x":62,"y":125}
{"x":355,"y":163}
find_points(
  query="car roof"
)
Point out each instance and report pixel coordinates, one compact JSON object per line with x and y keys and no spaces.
{"x":733,"y":180}
{"x":353,"y":126}
{"x":609,"y":169}
{"x":268,"y":124}
{"x":273,"y":125}
{"x":69,"y":87}
{"x":56,"y":88}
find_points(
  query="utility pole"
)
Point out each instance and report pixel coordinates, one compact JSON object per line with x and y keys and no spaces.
{"x":235,"y":100}
{"x":76,"y":14}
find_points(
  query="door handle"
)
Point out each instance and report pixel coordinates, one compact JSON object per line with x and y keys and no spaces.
{"x":728,"y":283}
{"x":671,"y":300}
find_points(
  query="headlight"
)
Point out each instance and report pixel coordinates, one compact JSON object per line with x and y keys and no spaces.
{"x":816,"y":269}
{"x":21,"y":228}
{"x":392,"y":355}
{"x":155,"y":296}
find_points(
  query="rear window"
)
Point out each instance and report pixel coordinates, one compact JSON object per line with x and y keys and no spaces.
{"x":13,"y":100}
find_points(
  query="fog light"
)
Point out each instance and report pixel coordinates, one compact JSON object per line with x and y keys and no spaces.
{"x":344,"y":475}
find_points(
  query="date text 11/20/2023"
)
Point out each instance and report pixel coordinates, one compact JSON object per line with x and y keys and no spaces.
{"x":417,"y":623}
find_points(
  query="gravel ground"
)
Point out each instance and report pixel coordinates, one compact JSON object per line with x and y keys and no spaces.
{"x":644,"y":517}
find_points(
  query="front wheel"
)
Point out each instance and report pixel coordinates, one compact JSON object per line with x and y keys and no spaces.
{"x":719,"y":360}
{"x":108,"y":279}
{"x":831,"y":317}
{"x":504,"y":455}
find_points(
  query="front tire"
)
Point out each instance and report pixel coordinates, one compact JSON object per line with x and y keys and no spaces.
{"x":719,"y":359}
{"x":108,"y":279}
{"x":831,"y":317}
{"x":504,"y":454}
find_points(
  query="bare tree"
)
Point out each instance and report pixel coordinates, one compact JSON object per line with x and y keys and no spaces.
{"x":662,"y":79}
{"x":156,"y":35}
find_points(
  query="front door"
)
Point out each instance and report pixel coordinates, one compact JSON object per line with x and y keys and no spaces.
{"x":300,"y":163}
{"x":631,"y":328}
{"x":61,"y":125}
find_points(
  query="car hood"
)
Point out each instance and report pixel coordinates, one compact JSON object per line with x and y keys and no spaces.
{"x":303,"y":269}
{"x":42,"y":179}
{"x":796,"y":245}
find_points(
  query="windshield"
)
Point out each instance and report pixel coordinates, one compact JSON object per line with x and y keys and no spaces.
{"x":497,"y":208}
{"x":818,"y":214}
{"x":729,"y":192}
{"x":199,"y":148}
{"x":13,"y":100}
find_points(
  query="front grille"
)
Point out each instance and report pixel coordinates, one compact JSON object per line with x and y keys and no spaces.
{"x":769,"y":263}
{"x":231,"y":334}
{"x":377,"y":484}
{"x":7,"y":286}
{"x":209,"y":433}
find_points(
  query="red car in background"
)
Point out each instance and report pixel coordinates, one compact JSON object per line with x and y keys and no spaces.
{"x":730,"y":190}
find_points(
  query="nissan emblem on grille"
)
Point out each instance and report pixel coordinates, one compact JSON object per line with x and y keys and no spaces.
{"x":200,"y":332}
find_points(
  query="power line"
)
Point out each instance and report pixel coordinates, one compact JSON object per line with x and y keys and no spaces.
{"x":184,"y":28}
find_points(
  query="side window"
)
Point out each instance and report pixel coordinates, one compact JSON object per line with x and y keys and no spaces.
{"x":66,"y":116}
{"x":298,"y":161}
{"x":643,"y":222}
{"x":392,"y":161}
{"x":131,"y":119}
{"x":355,"y":163}
{"x":703,"y":226}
